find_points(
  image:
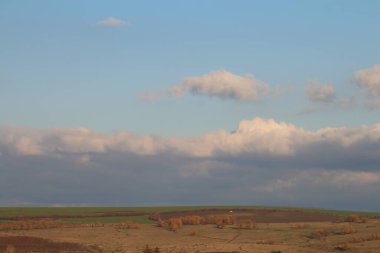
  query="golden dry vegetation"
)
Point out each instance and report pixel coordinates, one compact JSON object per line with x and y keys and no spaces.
{"x":192,"y":233}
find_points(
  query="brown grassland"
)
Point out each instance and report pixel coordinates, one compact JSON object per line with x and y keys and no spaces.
{"x":205,"y":230}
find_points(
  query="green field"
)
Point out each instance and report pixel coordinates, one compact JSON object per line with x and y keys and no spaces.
{"x":135,"y":219}
{"x":142,"y":219}
{"x":47,"y":211}
{"x":44,"y":211}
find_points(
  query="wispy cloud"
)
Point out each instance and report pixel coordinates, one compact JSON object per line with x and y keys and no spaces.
{"x":112,"y":22}
{"x":337,"y":179}
{"x":150,"y":96}
{"x":346,"y":103}
{"x":309,"y":110}
{"x":319,"y":92}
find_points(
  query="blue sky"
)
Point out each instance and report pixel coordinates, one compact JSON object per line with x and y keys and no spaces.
{"x":59,"y":69}
{"x":65,"y":67}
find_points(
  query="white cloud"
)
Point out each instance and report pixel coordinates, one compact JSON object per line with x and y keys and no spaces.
{"x":369,"y":81}
{"x":112,"y":22}
{"x":222,"y":84}
{"x":320,"y":92}
{"x":21,"y":140}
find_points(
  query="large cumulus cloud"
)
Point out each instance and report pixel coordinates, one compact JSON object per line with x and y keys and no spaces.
{"x":258,"y":136}
{"x":262,"y":162}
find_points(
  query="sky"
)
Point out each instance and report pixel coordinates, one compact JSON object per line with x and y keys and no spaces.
{"x":190,"y":103}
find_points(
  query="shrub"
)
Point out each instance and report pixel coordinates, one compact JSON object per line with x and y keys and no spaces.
{"x":247,"y":224}
{"x":319,"y":234}
{"x":355,"y":239}
{"x":161,"y":223}
{"x":149,"y":250}
{"x":127,"y":225}
{"x":192,"y":220}
{"x":172,"y":224}
{"x":343,"y":247}
{"x":265,"y":242}
{"x":220,"y":219}
{"x":373,"y":236}
{"x":300,"y":226}
{"x":10,"y":249}
{"x":32,"y":224}
{"x":356,"y":218}
{"x":175,"y":224}
{"x":99,"y":224}
{"x":346,"y":230}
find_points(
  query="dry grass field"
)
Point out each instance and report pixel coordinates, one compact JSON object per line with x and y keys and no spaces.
{"x":200,"y":230}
